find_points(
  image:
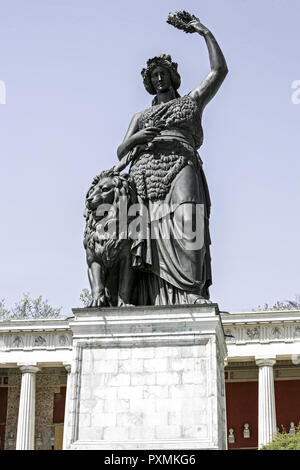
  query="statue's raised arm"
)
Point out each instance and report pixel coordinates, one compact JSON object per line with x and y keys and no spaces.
{"x":212,"y":82}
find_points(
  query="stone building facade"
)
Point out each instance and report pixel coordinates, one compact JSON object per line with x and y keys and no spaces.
{"x":262,"y":376}
{"x":49,"y":408}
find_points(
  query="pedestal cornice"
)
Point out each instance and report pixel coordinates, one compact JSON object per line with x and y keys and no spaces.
{"x":152,"y":325}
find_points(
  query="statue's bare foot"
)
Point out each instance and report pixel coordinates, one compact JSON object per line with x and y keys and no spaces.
{"x":98,"y":301}
{"x":122,"y":303}
{"x":197,"y":299}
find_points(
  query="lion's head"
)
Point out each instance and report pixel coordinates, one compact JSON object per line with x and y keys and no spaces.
{"x":107,"y":188}
{"x":102,"y":206}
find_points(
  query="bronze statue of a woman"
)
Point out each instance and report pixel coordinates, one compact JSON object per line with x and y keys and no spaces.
{"x":166,"y":170}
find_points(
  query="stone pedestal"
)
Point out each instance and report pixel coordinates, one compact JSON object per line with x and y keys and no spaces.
{"x":147,"y":378}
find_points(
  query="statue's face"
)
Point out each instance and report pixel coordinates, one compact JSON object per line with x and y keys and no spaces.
{"x":161,"y":79}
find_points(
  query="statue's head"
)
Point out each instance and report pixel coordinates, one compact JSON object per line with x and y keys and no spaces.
{"x":161,"y":71}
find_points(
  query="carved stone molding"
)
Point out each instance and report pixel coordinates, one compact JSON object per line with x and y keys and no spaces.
{"x":265,"y":361}
{"x":261,"y":333}
{"x":253,"y":333}
{"x":35,"y":340}
{"x":28,"y":368}
{"x":67,"y":366}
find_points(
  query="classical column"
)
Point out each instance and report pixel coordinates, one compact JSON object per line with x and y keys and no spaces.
{"x":266,"y":400}
{"x":26,"y":417}
{"x":68,"y":398}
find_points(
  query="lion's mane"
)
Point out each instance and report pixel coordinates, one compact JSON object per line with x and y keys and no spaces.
{"x":123,"y":186}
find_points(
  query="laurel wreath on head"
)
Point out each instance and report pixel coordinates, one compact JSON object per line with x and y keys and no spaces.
{"x":180,"y":20}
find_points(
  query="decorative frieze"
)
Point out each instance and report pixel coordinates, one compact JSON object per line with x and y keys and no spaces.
{"x":297,"y":332}
{"x":35,"y":340}
{"x":261,"y":333}
{"x":253,"y":333}
{"x":276,"y":333}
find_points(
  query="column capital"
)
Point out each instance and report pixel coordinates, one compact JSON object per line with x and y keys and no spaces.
{"x":67,"y":366}
{"x":28,"y":367}
{"x":265,"y":361}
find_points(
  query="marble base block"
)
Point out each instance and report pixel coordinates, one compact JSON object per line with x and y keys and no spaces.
{"x":147,"y":378}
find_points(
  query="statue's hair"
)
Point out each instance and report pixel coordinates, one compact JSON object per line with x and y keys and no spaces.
{"x":163,"y":60}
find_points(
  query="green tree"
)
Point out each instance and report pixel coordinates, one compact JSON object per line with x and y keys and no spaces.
{"x":86,"y":297}
{"x":4,"y":312}
{"x":29,"y":307}
{"x":285,"y":441}
{"x":281,"y":305}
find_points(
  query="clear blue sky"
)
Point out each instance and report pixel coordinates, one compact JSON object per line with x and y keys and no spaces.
{"x":72,"y":75}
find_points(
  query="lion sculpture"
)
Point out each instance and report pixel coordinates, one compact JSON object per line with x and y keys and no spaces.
{"x":108,"y":249}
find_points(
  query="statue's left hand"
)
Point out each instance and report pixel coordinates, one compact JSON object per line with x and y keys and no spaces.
{"x":198,"y":27}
